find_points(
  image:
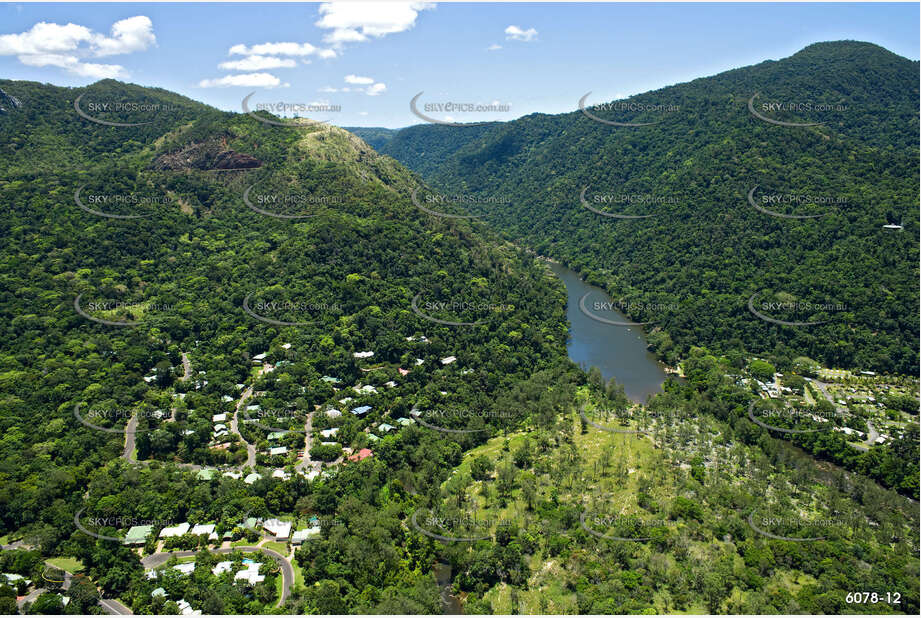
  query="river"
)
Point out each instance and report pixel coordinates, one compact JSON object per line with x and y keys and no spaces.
{"x":618,"y":351}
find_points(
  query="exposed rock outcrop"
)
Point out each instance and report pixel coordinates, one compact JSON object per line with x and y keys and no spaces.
{"x":211,"y":155}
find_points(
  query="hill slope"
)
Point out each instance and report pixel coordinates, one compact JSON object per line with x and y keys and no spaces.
{"x":728,"y":208}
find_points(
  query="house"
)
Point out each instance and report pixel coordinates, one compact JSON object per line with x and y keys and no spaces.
{"x":240,"y":387}
{"x":252,"y":478}
{"x":159,"y":592}
{"x":402,"y":371}
{"x":373,"y":437}
{"x":205,"y":529}
{"x":186,"y":610}
{"x":405,"y":421}
{"x":278,"y":450}
{"x":137,"y":535}
{"x":331,"y":380}
{"x":233,"y":474}
{"x":276,"y":435}
{"x":219,"y":418}
{"x":390,"y":384}
{"x":385,"y":427}
{"x":281,"y":530}
{"x":329,"y":443}
{"x":149,"y":379}
{"x":361,"y":410}
{"x":259,"y":358}
{"x":250,"y":574}
{"x":419,"y":361}
{"x":206,"y":474}
{"x":345,"y":400}
{"x":333,"y":413}
{"x":367,"y":389}
{"x":329,"y":433}
{"x":311,"y":475}
{"x":286,"y":346}
{"x":362,"y":454}
{"x":280,"y":474}
{"x":363,"y":354}
{"x":185,"y":568}
{"x":177,"y":530}
{"x":222,"y":567}
{"x":448,"y":360}
{"x":253,"y":408}
{"x":303,"y":534}
{"x":220,"y":427}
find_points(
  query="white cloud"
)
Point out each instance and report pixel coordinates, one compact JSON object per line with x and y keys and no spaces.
{"x":514,"y":33}
{"x":128,"y":35}
{"x":45,"y":38}
{"x":357,"y":79}
{"x":328,"y":89}
{"x":257,"y":80}
{"x":362,"y":113}
{"x":73,"y":65}
{"x":327,"y":53}
{"x":275,"y":49}
{"x":354,"y":22}
{"x":66,"y":46}
{"x":376,"y":89}
{"x":258,"y":63}
{"x":493,"y":47}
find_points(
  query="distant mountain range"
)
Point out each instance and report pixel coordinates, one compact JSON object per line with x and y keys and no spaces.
{"x":790,"y":186}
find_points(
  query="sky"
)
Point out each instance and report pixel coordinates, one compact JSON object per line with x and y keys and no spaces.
{"x":365,"y":61}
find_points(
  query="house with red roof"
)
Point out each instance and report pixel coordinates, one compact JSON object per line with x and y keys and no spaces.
{"x":362,"y":454}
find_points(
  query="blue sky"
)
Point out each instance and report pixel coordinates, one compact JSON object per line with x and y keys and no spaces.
{"x":372,"y":59}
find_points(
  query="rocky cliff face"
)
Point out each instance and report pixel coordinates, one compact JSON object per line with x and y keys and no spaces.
{"x":8,"y":102}
{"x":210,"y":155}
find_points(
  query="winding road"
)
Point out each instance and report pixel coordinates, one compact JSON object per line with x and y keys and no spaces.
{"x":287,"y":571}
{"x":235,"y":428}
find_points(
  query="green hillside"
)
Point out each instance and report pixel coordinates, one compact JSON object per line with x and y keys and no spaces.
{"x":727,"y":208}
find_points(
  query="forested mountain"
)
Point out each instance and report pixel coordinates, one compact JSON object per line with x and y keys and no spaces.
{"x":765,"y":188}
{"x":181,"y":267}
{"x":376,"y":137}
{"x":128,"y":246}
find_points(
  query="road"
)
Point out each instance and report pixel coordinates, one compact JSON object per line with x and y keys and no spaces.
{"x":306,"y":461}
{"x":115,"y":607}
{"x":130,"y":430}
{"x":186,"y":367}
{"x":235,"y":428}
{"x":287,"y":571}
